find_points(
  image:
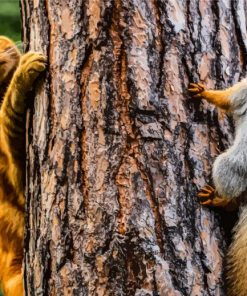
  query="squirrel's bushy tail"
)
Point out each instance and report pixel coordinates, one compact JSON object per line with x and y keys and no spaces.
{"x":237,"y":258}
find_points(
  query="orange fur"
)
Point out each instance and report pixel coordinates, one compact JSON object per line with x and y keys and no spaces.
{"x":220,"y":98}
{"x":17,"y":75}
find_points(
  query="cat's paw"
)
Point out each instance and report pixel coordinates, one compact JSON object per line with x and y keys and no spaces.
{"x":30,"y":67}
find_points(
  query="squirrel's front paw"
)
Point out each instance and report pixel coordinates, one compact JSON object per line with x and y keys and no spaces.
{"x":196,"y":89}
{"x":206,"y":195}
{"x":30,"y":67}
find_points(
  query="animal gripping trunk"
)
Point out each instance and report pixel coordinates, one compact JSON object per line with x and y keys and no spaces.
{"x":237,"y":259}
{"x":116,"y":150}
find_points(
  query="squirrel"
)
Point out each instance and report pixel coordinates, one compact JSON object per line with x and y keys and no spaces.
{"x":230,"y":178}
{"x":17,"y":76}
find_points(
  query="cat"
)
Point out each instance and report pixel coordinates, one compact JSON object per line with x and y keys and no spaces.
{"x":17,"y":76}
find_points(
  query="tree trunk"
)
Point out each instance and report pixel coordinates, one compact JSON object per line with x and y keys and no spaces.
{"x":117,"y":149}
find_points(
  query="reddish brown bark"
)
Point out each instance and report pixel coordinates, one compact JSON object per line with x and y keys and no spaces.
{"x":117,"y":149}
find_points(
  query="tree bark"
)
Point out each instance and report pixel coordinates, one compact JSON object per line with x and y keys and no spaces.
{"x":117,"y":149}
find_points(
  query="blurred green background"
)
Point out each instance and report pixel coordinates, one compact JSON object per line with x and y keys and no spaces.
{"x":10,"y":22}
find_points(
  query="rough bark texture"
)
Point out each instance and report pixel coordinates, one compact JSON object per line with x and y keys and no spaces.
{"x":117,"y":149}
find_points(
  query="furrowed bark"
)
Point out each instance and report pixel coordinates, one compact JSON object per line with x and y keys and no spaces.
{"x":117,"y":150}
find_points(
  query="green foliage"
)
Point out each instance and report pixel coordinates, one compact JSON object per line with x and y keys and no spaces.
{"x":10,"y":21}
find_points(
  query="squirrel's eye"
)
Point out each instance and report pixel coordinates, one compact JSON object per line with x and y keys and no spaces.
{"x":2,"y":62}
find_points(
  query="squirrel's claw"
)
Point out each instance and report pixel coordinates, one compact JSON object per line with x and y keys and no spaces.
{"x":206,"y":195}
{"x":208,"y":189}
{"x":206,"y":192}
{"x":206,"y":203}
{"x":193,"y":90}
{"x":196,"y":89}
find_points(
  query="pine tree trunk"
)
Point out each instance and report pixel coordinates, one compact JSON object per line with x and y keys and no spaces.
{"x":117,"y":149}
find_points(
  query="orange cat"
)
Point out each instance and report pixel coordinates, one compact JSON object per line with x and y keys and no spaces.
{"x":17,"y":75}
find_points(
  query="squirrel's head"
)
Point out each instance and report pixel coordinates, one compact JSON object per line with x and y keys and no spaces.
{"x":9,"y":59}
